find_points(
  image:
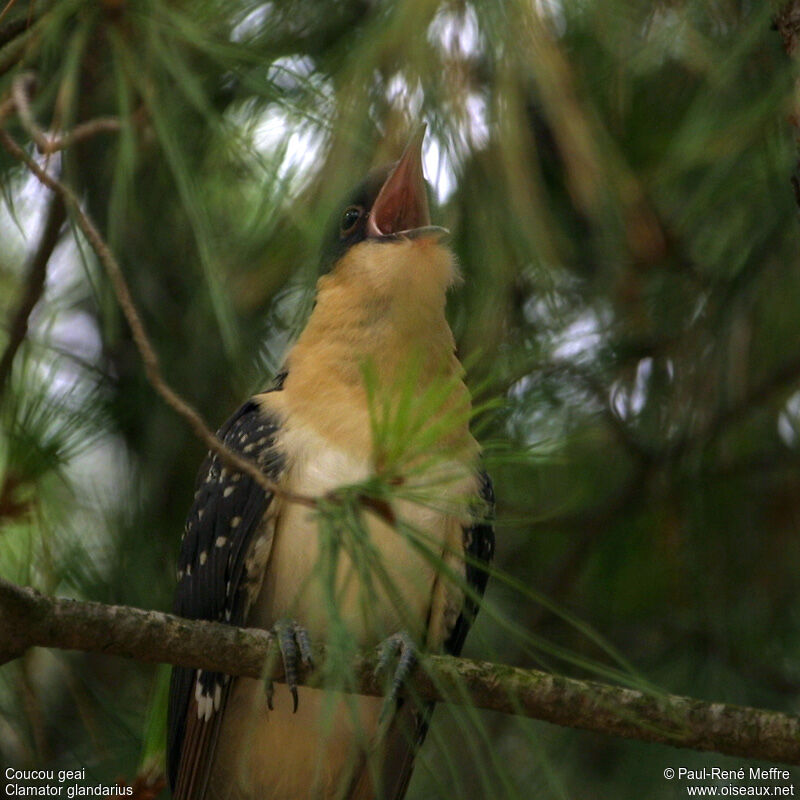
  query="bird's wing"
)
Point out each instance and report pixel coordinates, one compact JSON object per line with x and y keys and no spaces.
{"x":410,"y":725}
{"x":478,"y":542}
{"x":224,"y":550}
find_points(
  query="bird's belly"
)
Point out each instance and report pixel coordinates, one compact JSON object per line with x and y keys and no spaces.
{"x":350,"y":586}
{"x":363,"y":579}
{"x":319,"y":752}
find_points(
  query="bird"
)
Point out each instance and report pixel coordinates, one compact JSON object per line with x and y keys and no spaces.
{"x":371,"y":387}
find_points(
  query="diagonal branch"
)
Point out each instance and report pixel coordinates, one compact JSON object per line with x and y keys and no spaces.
{"x":32,"y":619}
{"x":147,"y":353}
{"x":18,"y":101}
{"x":49,"y":144}
{"x":34,"y":286}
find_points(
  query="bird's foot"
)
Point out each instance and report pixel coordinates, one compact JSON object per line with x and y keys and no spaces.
{"x":295,"y":646}
{"x":401,"y":646}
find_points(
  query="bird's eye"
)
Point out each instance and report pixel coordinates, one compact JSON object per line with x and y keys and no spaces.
{"x":350,"y":218}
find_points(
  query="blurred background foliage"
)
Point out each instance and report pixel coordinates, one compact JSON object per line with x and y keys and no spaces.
{"x":616,"y":178}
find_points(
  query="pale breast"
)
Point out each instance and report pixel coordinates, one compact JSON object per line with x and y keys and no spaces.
{"x":362,"y":580}
{"x":367,"y":575}
{"x":380,"y":584}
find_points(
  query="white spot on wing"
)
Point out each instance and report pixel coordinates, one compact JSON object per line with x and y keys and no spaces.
{"x":205,"y":704}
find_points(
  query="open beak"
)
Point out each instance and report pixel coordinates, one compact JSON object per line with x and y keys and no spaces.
{"x":401,"y":209}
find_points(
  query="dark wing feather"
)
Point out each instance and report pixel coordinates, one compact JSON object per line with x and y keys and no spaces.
{"x":478,"y":543}
{"x":478,"y":551}
{"x":227,"y":514}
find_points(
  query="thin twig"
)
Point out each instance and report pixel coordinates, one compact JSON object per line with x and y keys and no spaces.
{"x":8,"y":6}
{"x":47,"y":144}
{"x":32,"y":619}
{"x":19,"y":94}
{"x":80,"y":132}
{"x":34,"y":286}
{"x":140,"y":337}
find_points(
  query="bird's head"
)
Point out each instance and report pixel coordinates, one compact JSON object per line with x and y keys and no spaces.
{"x":380,"y":311}
{"x":383,"y":233}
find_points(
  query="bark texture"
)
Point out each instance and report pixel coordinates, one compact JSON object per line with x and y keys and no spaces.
{"x":29,"y":618}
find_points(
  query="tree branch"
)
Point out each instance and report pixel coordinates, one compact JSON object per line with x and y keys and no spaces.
{"x":147,"y":353}
{"x":34,"y":286}
{"x":32,"y":619}
{"x":19,"y":102}
{"x":49,"y":144}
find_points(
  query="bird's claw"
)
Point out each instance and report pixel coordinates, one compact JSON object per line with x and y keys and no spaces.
{"x":401,"y":646}
{"x":295,"y":646}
